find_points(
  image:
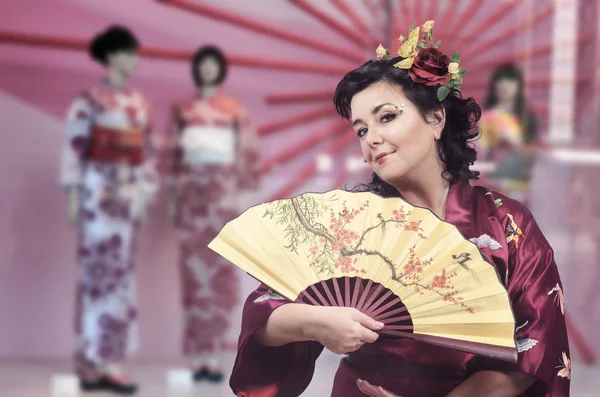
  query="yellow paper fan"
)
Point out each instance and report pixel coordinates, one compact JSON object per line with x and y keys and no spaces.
{"x":397,"y":263}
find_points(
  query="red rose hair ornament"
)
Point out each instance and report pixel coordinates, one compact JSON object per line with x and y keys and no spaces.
{"x":426,"y":64}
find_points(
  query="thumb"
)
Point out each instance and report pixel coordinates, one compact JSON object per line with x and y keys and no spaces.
{"x":367,"y":321}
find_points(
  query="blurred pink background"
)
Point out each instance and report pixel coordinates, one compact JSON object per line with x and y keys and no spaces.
{"x":37,"y":245}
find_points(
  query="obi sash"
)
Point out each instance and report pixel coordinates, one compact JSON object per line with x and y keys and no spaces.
{"x":117,"y":146}
{"x":208,"y":145}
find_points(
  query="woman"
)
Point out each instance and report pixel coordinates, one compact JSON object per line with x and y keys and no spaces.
{"x":214,"y":159}
{"x":509,"y":132}
{"x":109,"y":177}
{"x":418,"y":148}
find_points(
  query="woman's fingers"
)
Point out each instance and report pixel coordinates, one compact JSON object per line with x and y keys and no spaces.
{"x":367,"y":388}
{"x":373,"y":391}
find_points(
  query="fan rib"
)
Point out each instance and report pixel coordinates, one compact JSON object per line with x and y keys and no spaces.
{"x":251,"y":24}
{"x":363,"y":296}
{"x":399,"y":327}
{"x":338,"y":293}
{"x":504,"y":353}
{"x":347,"y":291}
{"x":328,"y":293}
{"x":306,"y":295}
{"x":357,"y":288}
{"x":383,"y":316}
{"x":371,"y":298}
{"x":395,"y":319}
{"x":319,"y":295}
{"x":378,"y":303}
{"x":388,"y":305}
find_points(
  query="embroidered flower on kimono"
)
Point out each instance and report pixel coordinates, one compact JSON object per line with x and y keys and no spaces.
{"x":497,"y":202}
{"x":513,"y":232}
{"x":559,"y":296}
{"x":486,"y":241}
{"x":524,"y":344}
{"x":270,"y":295}
{"x":565,"y":367}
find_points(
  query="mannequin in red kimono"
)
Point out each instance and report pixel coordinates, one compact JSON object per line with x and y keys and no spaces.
{"x":214,"y":163}
{"x":416,"y":140}
{"x":107,"y":171}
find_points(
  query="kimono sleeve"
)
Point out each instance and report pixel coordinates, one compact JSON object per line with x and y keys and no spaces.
{"x":249,"y":163}
{"x":537,"y":298}
{"x":79,"y":121}
{"x":262,"y":371}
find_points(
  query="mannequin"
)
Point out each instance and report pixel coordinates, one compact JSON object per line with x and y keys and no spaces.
{"x":508,"y":133}
{"x":214,"y":160}
{"x":109,"y":177}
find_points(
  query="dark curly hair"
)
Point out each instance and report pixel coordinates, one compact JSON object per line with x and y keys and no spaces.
{"x":462,"y":115}
{"x":203,"y":53}
{"x":112,"y":40}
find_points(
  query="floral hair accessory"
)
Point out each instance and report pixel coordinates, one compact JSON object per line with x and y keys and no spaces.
{"x":425,"y":63}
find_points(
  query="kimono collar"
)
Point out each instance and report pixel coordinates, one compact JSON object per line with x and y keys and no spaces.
{"x":459,"y":206}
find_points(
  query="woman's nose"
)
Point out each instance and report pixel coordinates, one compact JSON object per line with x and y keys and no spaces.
{"x":374,"y":137}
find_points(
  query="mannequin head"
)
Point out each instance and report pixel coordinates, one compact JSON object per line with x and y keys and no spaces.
{"x":117,"y":49}
{"x":209,"y":66}
{"x":506,"y":87}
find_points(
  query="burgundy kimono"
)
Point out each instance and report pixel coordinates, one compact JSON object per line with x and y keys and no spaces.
{"x":506,"y":232}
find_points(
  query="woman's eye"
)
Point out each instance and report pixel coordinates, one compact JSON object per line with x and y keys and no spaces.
{"x":362,"y":132}
{"x":386,"y":118}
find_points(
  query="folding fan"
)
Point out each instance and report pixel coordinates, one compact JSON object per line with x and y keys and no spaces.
{"x":398,"y":264}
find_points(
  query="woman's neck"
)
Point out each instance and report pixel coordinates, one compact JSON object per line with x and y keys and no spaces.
{"x":429,"y":190}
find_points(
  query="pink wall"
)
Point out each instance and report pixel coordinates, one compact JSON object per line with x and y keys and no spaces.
{"x":37,"y":266}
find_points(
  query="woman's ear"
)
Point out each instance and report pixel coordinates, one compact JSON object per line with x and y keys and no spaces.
{"x":437,"y":121}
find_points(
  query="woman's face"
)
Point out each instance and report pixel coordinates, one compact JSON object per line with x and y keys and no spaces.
{"x":507,"y":90}
{"x":398,"y":144}
{"x":209,"y":69}
{"x":124,"y":61}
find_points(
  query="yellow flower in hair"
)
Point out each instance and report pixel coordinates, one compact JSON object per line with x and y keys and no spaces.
{"x":409,"y":50}
{"x":428,"y":26}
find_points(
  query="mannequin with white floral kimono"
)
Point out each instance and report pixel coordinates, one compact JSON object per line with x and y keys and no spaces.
{"x":213,"y":164}
{"x":108,"y":174}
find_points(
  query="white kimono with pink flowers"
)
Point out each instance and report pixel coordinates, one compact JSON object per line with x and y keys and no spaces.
{"x":113,"y":196}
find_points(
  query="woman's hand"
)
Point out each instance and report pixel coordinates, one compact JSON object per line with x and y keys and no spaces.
{"x":343,"y":329}
{"x":373,"y":391}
